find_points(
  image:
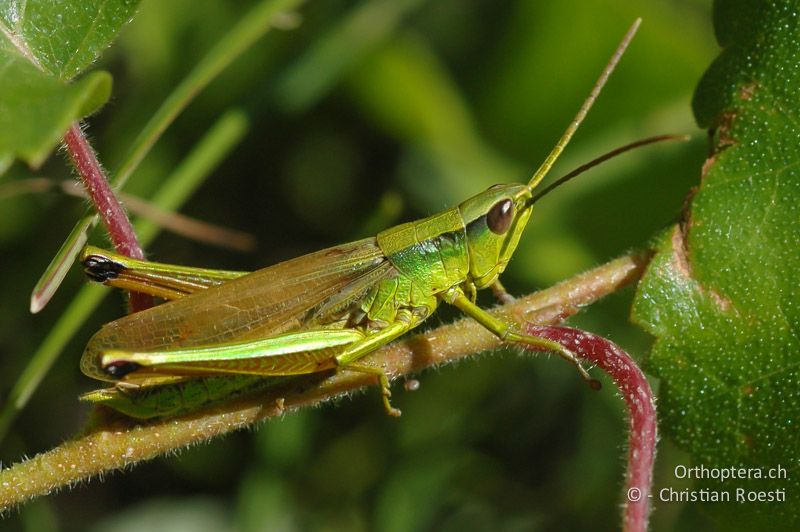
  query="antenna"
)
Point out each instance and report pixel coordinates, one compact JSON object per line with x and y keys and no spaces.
{"x":587,"y":104}
{"x":603,"y":158}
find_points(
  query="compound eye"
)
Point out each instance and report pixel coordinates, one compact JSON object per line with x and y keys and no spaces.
{"x":500,"y":217}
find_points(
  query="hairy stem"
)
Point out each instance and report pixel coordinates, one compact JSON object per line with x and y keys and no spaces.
{"x":99,"y":192}
{"x":636,"y":391}
{"x":114,"y":442}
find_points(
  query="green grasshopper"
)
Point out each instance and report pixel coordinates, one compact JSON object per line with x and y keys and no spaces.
{"x":223,"y":331}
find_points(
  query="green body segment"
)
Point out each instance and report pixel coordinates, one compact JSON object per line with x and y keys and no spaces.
{"x":168,"y":400}
{"x":430,"y":256}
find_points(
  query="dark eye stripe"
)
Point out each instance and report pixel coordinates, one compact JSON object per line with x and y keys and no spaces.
{"x":500,"y":216}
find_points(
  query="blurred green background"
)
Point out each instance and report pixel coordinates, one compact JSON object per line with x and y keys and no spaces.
{"x":362,"y":115}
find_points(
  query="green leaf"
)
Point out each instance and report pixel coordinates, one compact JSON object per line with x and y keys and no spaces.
{"x":43,"y":45}
{"x":721,"y":295}
{"x":36,"y":109}
{"x":63,"y":38}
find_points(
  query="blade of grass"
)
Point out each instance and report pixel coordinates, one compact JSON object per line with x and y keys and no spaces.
{"x":331,"y":57}
{"x":55,"y":272}
{"x":251,"y":27}
{"x":223,"y":136}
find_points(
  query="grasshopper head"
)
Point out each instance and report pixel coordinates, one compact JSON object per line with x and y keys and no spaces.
{"x":495,"y":220}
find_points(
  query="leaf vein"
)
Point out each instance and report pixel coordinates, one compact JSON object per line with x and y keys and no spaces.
{"x":19,"y":43}
{"x":86,"y":36}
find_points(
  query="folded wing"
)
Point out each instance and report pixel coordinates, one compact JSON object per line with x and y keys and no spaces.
{"x":297,"y":294}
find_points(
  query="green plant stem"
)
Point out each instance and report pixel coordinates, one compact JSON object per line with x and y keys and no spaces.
{"x":113,"y":442}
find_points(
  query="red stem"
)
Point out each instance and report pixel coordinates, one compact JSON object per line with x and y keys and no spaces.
{"x":99,"y":192}
{"x":641,"y":407}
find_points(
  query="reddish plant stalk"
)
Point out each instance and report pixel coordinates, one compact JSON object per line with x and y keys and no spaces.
{"x":636,"y":391}
{"x":108,"y":207}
